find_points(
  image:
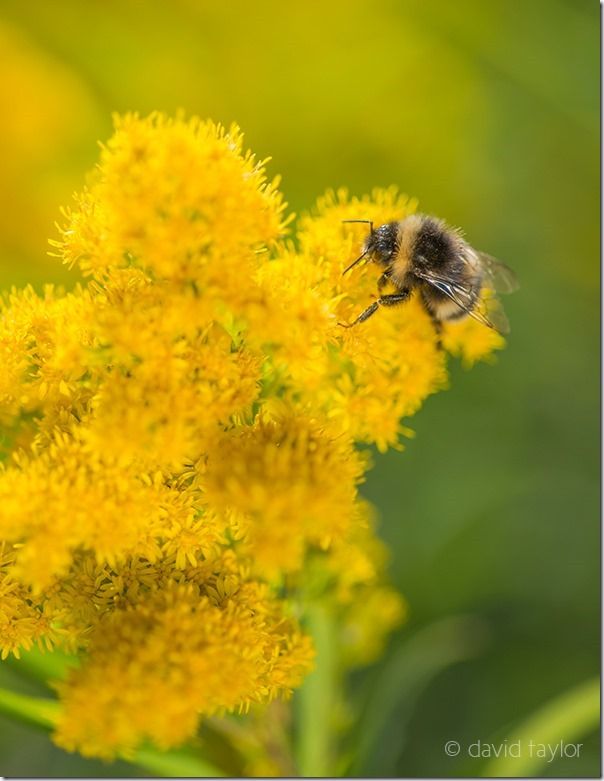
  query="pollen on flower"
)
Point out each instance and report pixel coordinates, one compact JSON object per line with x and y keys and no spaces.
{"x":176,"y":651}
{"x":176,"y":199}
{"x":21,"y":622}
{"x":471,"y":341}
{"x":367,"y":606}
{"x":182,"y":437}
{"x":292,"y":479}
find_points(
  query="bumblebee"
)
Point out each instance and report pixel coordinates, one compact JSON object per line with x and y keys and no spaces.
{"x":453,"y":279}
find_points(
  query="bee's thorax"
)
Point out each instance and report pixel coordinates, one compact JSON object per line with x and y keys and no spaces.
{"x":435,"y":245}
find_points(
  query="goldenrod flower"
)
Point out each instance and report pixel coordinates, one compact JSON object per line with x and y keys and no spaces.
{"x":186,"y":646}
{"x":293,"y":482}
{"x":183,"y":433}
{"x":21,"y":622}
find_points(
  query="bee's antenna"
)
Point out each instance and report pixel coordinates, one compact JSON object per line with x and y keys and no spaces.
{"x":358,"y":260}
{"x":367,"y":222}
{"x":353,"y":264}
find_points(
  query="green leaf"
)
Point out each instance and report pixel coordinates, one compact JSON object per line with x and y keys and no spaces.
{"x":177,"y":763}
{"x":43,"y":666}
{"x":43,"y":714}
{"x":35,"y":711}
{"x":566,"y":718}
{"x":398,"y":685}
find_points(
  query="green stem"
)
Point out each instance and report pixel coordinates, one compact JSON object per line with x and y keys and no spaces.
{"x":44,"y":713}
{"x":316,"y":700}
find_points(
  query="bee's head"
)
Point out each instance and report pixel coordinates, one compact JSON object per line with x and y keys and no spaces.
{"x":381,"y":243}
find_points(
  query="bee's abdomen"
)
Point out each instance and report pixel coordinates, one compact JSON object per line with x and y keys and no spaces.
{"x":441,"y":307}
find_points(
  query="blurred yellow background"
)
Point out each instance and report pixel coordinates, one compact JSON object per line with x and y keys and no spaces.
{"x":488,"y":113}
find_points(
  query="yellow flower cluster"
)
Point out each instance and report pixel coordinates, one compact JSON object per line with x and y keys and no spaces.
{"x":285,"y":474}
{"x":180,"y":435}
{"x":204,"y":635}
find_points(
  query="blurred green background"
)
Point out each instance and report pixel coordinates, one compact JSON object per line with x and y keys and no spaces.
{"x":489,"y":114}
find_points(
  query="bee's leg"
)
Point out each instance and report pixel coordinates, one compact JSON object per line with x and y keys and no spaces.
{"x":394,"y":298}
{"x":438,"y":326}
{"x":383,"y":281}
{"x":390,"y":300}
{"x":365,"y":315}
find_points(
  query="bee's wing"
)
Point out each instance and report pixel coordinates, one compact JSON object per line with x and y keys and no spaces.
{"x":487,"y":311}
{"x":490,"y":309}
{"x":499,"y":277}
